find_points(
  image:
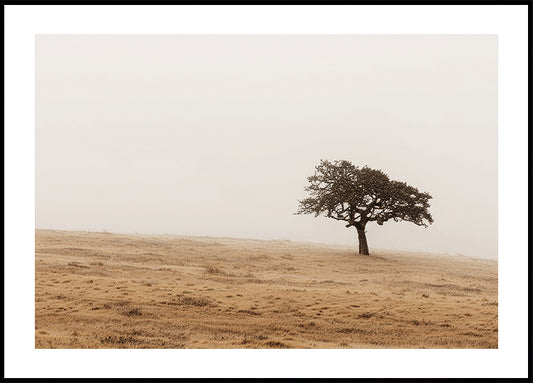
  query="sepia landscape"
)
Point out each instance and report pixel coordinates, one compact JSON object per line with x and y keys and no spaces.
{"x":107,"y":290}
{"x":266,"y":191}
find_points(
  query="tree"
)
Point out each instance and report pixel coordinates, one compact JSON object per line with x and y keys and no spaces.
{"x":344,"y":192}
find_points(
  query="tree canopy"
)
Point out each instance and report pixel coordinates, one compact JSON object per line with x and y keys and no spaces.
{"x":345,"y":192}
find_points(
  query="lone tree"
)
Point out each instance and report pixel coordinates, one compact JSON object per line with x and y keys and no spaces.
{"x":344,"y":192}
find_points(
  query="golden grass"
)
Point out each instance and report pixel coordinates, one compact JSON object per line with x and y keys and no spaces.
{"x":103,"y":290}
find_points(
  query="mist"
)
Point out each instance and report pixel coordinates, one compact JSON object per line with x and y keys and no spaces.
{"x":216,"y":135}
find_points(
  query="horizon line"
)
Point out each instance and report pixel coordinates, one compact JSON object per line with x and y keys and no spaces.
{"x":105,"y":231}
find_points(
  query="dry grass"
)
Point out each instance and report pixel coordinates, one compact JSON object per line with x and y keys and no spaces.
{"x":103,"y":290}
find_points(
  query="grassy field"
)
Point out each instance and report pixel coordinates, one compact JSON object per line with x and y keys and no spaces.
{"x":103,"y":290}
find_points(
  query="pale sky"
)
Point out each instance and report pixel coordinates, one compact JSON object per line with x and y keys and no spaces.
{"x":215,"y":135}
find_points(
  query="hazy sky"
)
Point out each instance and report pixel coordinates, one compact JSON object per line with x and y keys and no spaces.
{"x":215,"y":135}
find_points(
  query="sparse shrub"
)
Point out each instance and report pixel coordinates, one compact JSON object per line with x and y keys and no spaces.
{"x":251,"y":312}
{"x":422,"y":322}
{"x":211,"y":269}
{"x":76,"y":264}
{"x":471,"y":333}
{"x":194,"y":301}
{"x":134,"y":312}
{"x":214,"y":270}
{"x":97,"y":263}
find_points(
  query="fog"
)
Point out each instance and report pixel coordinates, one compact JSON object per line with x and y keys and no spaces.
{"x":215,"y":135}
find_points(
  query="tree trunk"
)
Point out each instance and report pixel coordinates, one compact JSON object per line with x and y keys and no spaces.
{"x":363,"y":245}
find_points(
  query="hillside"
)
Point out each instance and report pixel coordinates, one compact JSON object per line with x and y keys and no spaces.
{"x":104,"y":290}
